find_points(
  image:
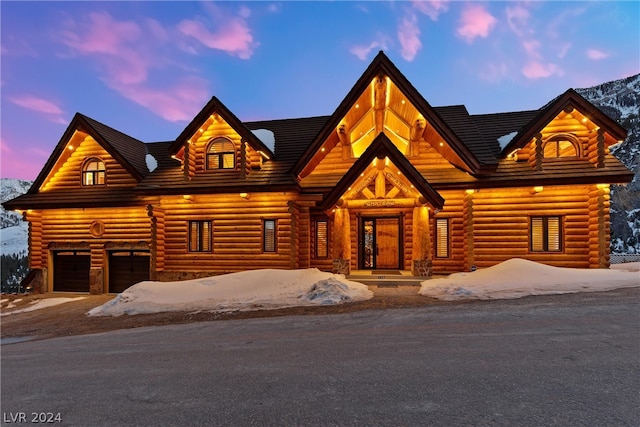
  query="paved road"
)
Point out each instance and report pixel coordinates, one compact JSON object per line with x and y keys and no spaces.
{"x":568,"y":360}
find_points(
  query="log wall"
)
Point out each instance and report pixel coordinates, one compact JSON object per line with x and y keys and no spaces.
{"x":237,"y":233}
{"x":68,"y":174}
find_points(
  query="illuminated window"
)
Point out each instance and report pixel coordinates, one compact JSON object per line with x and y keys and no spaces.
{"x":560,"y":146}
{"x":200,"y":236}
{"x":546,"y":234}
{"x":322,"y":239}
{"x":442,"y":237}
{"x":93,"y":172}
{"x":269,"y":235}
{"x":221,"y":154}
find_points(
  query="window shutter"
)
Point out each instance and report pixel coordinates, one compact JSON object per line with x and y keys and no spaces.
{"x":442,"y":237}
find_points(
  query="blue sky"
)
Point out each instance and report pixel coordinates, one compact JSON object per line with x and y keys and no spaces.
{"x":147,"y":68}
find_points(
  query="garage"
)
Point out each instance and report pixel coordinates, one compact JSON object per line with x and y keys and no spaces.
{"x":71,"y":271}
{"x":127,"y":268}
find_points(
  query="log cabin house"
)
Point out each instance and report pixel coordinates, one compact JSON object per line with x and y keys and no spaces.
{"x":386,"y":182}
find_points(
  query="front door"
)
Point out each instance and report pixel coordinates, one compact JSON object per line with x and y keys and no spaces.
{"x":380,"y":243}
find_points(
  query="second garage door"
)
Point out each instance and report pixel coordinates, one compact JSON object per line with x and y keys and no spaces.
{"x":127,"y":268}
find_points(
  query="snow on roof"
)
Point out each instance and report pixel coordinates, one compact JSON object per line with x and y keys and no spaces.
{"x":151,"y":162}
{"x":504,"y":140}
{"x":516,"y":278}
{"x":247,"y":290}
{"x":267,"y":137}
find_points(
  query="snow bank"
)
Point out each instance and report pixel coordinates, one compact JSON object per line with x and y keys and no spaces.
{"x":247,"y":290}
{"x":517,"y":278}
{"x":39,"y":304}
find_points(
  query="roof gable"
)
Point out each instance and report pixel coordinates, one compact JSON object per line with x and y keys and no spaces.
{"x":206,"y":116}
{"x":126,"y":151}
{"x":567,"y":102}
{"x":381,"y":85}
{"x":383,"y":148}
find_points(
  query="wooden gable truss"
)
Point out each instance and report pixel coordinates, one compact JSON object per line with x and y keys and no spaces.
{"x":383,"y":101}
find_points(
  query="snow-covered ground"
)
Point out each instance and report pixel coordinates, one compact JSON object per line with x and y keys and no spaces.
{"x":247,"y":290}
{"x":35,"y":305}
{"x":517,"y":278}
{"x":13,"y":240}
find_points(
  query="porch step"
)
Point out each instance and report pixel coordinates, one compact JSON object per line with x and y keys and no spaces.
{"x":387,"y":280}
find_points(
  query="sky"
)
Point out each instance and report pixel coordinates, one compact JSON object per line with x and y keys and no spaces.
{"x":147,"y":68}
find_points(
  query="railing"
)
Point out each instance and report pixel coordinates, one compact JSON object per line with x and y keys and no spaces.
{"x":620,"y":258}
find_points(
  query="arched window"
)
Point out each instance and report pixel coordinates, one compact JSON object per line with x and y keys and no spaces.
{"x":221,"y":154}
{"x":93,"y":172}
{"x":563,"y":145}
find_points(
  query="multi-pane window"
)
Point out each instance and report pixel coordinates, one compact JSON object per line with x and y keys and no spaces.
{"x":93,"y":172}
{"x":442,"y":237}
{"x":269,"y":235}
{"x":546,"y":234}
{"x":221,"y":154}
{"x":322,"y":239}
{"x":559,"y":147}
{"x":200,"y":236}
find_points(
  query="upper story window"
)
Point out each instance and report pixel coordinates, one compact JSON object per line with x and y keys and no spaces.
{"x":93,"y":172}
{"x":560,"y":146}
{"x":221,"y":154}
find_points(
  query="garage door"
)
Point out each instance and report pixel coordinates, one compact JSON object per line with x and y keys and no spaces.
{"x":71,"y":271}
{"x":127,"y":268}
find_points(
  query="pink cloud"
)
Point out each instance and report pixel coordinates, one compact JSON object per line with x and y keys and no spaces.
{"x":362,"y":51}
{"x":518,"y":20}
{"x":596,"y":55}
{"x":475,"y":22}
{"x":51,"y":110}
{"x":431,"y":8}
{"x":18,"y":164}
{"x":179,"y":102}
{"x":409,"y":37}
{"x":539,"y":70}
{"x":230,"y":34}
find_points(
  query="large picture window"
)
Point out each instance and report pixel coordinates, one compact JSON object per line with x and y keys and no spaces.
{"x":221,"y":154}
{"x":269,"y":235}
{"x":442,"y":237}
{"x":93,"y":172}
{"x":546,"y":234}
{"x":200,"y":236}
{"x":322,"y":239}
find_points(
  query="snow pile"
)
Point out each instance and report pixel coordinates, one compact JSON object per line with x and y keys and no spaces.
{"x":517,"y":278}
{"x":247,"y":290}
{"x":37,"y":305}
{"x":504,"y":140}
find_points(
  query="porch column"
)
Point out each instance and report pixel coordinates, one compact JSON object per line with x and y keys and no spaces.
{"x":467,"y":220}
{"x":341,"y":241}
{"x":421,"y":255}
{"x":599,"y":228}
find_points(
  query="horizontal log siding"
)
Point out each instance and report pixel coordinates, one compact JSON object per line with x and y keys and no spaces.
{"x":453,"y":209}
{"x":71,"y":227}
{"x":35,"y":239}
{"x":599,"y":226}
{"x":501,"y":224}
{"x":69,"y":173}
{"x":237,"y":232}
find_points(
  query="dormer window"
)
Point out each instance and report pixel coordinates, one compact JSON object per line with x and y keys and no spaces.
{"x":93,"y":172}
{"x":560,"y":146}
{"x":221,"y":154}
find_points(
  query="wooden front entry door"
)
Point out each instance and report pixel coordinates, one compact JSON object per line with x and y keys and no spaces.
{"x":380,"y":243}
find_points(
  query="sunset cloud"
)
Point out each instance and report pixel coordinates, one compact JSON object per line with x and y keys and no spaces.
{"x":176,"y":103}
{"x":431,"y":8}
{"x":596,"y":55}
{"x":409,"y":37}
{"x":475,"y":22}
{"x":230,"y":34}
{"x":40,"y":105}
{"x":518,"y":19}
{"x":362,"y":51}
{"x":539,"y":70}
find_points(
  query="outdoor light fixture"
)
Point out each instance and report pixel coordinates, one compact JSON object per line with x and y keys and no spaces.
{"x":538,"y":189}
{"x":244,"y":196}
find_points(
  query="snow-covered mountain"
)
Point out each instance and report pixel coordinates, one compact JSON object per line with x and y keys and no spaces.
{"x":13,"y":230}
{"x":620,"y":99}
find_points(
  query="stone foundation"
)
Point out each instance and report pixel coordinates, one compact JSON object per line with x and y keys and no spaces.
{"x":341,"y":266}
{"x":422,"y":267}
